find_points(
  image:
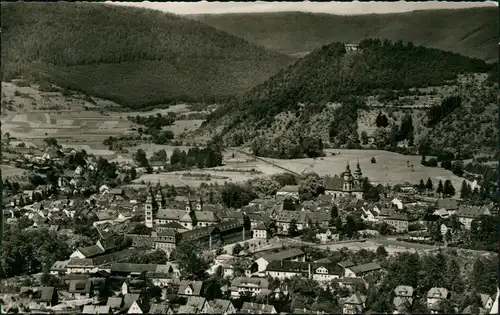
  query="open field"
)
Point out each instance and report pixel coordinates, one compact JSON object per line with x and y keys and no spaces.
{"x":178,"y":180}
{"x":181,"y":126}
{"x":11,"y":171}
{"x":391,"y":168}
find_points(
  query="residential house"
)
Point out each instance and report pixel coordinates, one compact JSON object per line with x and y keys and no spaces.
{"x":115,"y":303}
{"x":228,"y":267}
{"x":355,"y":304}
{"x":243,"y":286}
{"x":88,"y":251}
{"x":59,"y":267}
{"x":318,"y":219}
{"x":293,"y":254}
{"x":400,"y":222}
{"x":467,"y":214}
{"x":256,"y":308}
{"x":450,"y":205}
{"x":138,"y":307}
{"x":352,"y":284}
{"x":285,"y":218}
{"x":398,"y":203}
{"x":165,"y":240}
{"x":190,"y":288}
{"x":289,"y":191}
{"x":328,"y":236}
{"x":128,"y":300}
{"x":260,"y":231}
{"x":44,"y":297}
{"x":370,"y":215}
{"x":486,"y":301}
{"x":160,"y":308}
{"x":436,"y":295}
{"x":218,"y":306}
{"x":80,"y":289}
{"x":81,"y":265}
{"x":96,"y":309}
{"x":326,"y":272}
{"x":361,"y":270}
{"x":134,"y":270}
{"x":403,"y":298}
{"x":164,"y":275}
{"x":442,"y":213}
{"x":285,"y":269}
{"x":194,"y":305}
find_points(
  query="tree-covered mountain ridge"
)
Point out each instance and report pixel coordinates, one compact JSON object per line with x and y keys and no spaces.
{"x":334,"y":95}
{"x":471,"y":32}
{"x":133,"y":56}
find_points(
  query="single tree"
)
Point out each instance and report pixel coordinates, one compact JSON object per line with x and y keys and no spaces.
{"x":464,"y":191}
{"x":429,"y":186}
{"x":373,"y":160}
{"x":448,"y":189}
{"x":440,"y":189}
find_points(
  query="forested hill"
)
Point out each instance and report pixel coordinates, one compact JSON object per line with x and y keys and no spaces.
{"x":330,"y":76}
{"x":471,"y":32}
{"x":133,"y":56}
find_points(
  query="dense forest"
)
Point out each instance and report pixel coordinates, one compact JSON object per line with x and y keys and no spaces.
{"x":469,"y":32}
{"x":329,"y":74}
{"x":136,"y":57}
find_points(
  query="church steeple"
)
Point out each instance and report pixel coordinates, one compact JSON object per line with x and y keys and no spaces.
{"x":358,"y":176}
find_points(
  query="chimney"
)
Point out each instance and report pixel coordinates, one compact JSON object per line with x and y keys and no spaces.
{"x":309,"y":271}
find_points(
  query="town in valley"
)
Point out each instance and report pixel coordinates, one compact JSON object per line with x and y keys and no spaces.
{"x":159,"y":163}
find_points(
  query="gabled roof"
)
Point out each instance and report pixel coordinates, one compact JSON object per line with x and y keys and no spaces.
{"x":80,"y":262}
{"x":448,"y":204}
{"x":159,"y":308}
{"x":170,"y":214}
{"x":95,"y":309}
{"x":129,"y":299}
{"x":91,"y":251}
{"x":250,"y":282}
{"x":218,"y":306}
{"x":472,"y":212}
{"x":403,"y":290}
{"x":256,"y":308}
{"x":333,"y":183}
{"x":440,"y":293}
{"x":372,"y":266}
{"x":346,"y":263}
{"x":80,"y":286}
{"x":195,"y":286}
{"x":290,"y":189}
{"x":356,"y":299}
{"x":115,"y":302}
{"x":132,"y":268}
{"x":283,"y":255}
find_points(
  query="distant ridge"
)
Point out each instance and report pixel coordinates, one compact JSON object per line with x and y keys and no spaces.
{"x":470,"y":32}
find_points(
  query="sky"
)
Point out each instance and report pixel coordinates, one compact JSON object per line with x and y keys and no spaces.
{"x":342,"y":8}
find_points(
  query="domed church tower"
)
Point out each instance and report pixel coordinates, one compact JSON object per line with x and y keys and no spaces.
{"x":358,"y":176}
{"x":348,"y":179}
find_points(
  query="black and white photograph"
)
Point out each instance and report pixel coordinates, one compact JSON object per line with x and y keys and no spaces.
{"x":249,"y":157}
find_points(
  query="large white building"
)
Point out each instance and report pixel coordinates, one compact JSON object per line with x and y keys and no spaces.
{"x":192,"y":216}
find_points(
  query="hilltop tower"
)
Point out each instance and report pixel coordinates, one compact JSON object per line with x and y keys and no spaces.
{"x":348,"y":179}
{"x":358,"y":176}
{"x":148,"y":211}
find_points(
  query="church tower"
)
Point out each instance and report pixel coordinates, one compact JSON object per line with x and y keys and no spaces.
{"x":347,"y":179}
{"x":358,"y":177}
{"x":158,"y":198}
{"x":148,"y":211}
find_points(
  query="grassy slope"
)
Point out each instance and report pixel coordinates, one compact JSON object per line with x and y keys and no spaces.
{"x":132,"y":56}
{"x":470,"y":32}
